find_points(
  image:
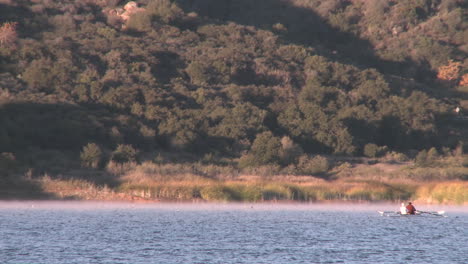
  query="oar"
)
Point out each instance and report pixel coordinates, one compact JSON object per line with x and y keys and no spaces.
{"x":438,"y":213}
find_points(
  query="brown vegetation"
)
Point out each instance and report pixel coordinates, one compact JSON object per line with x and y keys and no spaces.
{"x":351,"y":181}
{"x":464,"y":80}
{"x":449,"y":72}
{"x":8,"y":33}
{"x":241,"y":98}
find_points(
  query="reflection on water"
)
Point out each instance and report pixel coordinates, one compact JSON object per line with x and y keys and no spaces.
{"x":36,"y":232}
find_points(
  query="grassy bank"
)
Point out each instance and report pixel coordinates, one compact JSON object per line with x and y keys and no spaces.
{"x":176,"y":182}
{"x":442,"y":181}
{"x":349,"y":190}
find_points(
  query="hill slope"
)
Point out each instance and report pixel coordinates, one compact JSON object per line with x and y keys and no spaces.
{"x":268,"y":82}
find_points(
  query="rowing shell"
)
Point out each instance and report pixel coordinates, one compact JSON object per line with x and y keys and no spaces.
{"x":418,"y":213}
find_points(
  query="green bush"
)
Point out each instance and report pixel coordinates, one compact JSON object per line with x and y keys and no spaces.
{"x":140,"y":22}
{"x":165,"y":10}
{"x":124,"y":153}
{"x":290,"y":151}
{"x":215,"y":193}
{"x":370,"y":150}
{"x":265,"y":149}
{"x":213,"y":79}
{"x":373,"y":151}
{"x":91,"y":156}
{"x":312,"y":165}
{"x":199,"y":73}
{"x":421,"y":158}
{"x":396,"y":156}
{"x":241,"y":192}
{"x":276,"y":192}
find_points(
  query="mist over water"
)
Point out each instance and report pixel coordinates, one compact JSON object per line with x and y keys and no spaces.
{"x":77,"y":232}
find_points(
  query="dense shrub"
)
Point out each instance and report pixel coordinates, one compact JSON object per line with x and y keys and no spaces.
{"x":7,"y":162}
{"x":372,"y":150}
{"x":124,"y":153}
{"x":422,"y":159}
{"x":266,"y":149}
{"x":290,"y":151}
{"x":197,"y":77}
{"x":312,"y":165}
{"x":91,"y":156}
{"x":215,"y":193}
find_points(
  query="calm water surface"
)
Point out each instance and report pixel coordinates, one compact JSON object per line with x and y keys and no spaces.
{"x":34,"y":232}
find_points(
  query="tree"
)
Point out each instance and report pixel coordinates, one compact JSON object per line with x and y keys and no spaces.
{"x":312,"y":165}
{"x":371,"y":150}
{"x":266,"y":149}
{"x":165,"y":10}
{"x":124,"y":153}
{"x":91,"y":156}
{"x":243,"y":121}
{"x":290,"y":151}
{"x":199,"y":73}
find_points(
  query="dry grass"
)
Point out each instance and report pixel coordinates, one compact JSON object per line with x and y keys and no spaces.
{"x":78,"y":189}
{"x":377,"y":182}
{"x":444,"y":192}
{"x":380,"y":182}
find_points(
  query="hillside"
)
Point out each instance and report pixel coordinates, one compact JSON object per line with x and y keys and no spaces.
{"x":295,"y":85}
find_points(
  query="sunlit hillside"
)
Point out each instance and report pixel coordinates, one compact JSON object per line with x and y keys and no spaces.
{"x":92,"y":89}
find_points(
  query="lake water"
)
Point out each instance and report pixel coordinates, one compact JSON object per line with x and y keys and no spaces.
{"x":39,"y":232}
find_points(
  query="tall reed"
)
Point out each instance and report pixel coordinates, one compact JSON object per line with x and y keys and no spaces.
{"x":444,"y":192}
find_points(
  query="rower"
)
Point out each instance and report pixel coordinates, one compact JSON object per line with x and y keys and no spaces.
{"x":403,"y":209}
{"x":410,"y":209}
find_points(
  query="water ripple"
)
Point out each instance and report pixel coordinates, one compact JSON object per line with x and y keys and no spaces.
{"x":171,"y":235}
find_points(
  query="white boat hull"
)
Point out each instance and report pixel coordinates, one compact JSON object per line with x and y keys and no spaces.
{"x":418,"y":213}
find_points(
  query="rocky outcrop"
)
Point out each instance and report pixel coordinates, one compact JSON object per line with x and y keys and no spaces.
{"x":124,"y":14}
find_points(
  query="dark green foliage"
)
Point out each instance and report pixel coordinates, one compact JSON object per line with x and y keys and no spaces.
{"x":91,"y":156}
{"x":50,"y":126}
{"x":312,"y":165}
{"x":7,"y":163}
{"x":372,"y":150}
{"x":199,"y":73}
{"x":183,"y":129}
{"x":38,"y":76}
{"x":226,"y":77}
{"x":140,"y":22}
{"x":265,"y":150}
{"x":422,"y":158}
{"x":290,"y":151}
{"x":243,"y":121}
{"x":164,"y":10}
{"x":124,"y":153}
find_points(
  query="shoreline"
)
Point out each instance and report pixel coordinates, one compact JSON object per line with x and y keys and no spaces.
{"x":372,"y":207}
{"x":348,"y":192}
{"x":204,"y":202}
